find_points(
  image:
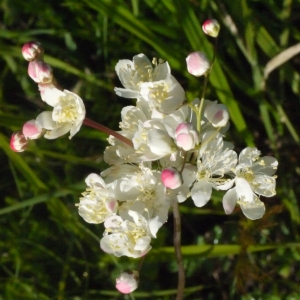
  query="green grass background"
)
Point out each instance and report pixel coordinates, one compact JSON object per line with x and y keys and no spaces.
{"x":46,"y":250}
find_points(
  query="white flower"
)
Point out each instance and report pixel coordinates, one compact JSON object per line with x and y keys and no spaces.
{"x":152,"y":141}
{"x":215,"y":160}
{"x":123,"y":237}
{"x":67,"y":115}
{"x":143,"y":192}
{"x":133,"y":73}
{"x":97,"y":202}
{"x":165,"y":95}
{"x":253,"y":177}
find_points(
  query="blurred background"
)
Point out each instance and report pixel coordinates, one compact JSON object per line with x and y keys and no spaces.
{"x":46,"y":250}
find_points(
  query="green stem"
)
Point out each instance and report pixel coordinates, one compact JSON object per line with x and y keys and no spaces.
{"x":207,"y":75}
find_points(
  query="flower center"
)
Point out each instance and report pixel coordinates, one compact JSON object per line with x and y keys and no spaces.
{"x":68,"y":111}
{"x":246,"y":173}
{"x":159,"y":92}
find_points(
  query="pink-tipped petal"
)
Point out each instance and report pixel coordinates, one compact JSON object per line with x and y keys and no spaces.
{"x":197,"y":63}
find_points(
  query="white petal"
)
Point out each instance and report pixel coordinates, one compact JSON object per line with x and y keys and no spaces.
{"x":264,"y":185}
{"x":123,"y":63}
{"x":113,"y":222}
{"x":51,"y":96}
{"x":142,"y":244}
{"x":224,"y":186}
{"x":94,"y":178}
{"x":266,"y":165}
{"x":55,"y":133}
{"x":248,"y":156}
{"x":154,"y":225}
{"x":253,"y":211}
{"x":201,"y":192}
{"x":126,"y":93}
{"x":229,"y":201}
{"x":45,"y":120}
{"x":244,"y":190}
{"x":160,"y":142}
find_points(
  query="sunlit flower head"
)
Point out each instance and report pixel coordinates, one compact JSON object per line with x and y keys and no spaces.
{"x":165,"y":95}
{"x":254,"y":176}
{"x":97,"y":202}
{"x":67,"y":115}
{"x":133,"y":73}
{"x":123,"y":237}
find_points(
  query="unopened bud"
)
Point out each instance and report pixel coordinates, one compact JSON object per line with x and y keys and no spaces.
{"x":171,"y":178}
{"x":127,"y":282}
{"x":31,"y":130}
{"x":33,"y":51}
{"x":211,"y":27}
{"x":217,"y":114}
{"x":40,"y":72}
{"x":186,"y":137}
{"x":18,"y":142}
{"x":197,"y":63}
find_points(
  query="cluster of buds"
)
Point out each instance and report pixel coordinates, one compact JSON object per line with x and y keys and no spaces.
{"x":68,"y":109}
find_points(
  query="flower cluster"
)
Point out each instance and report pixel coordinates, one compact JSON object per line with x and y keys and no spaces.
{"x":68,"y":111}
{"x":178,"y":152}
{"x":169,"y":149}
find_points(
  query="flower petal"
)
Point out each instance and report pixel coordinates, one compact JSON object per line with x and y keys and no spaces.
{"x":253,"y":211}
{"x":229,"y":201}
{"x":201,"y":192}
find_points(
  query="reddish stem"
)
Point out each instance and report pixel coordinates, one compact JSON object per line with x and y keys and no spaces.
{"x":107,"y":130}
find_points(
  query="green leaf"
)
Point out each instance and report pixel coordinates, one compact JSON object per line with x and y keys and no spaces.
{"x":21,"y":165}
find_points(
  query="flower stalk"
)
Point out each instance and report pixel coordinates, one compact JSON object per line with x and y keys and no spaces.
{"x":107,"y":130}
{"x":178,"y":254}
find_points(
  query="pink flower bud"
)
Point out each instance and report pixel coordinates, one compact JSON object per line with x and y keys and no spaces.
{"x":40,"y":72}
{"x":197,"y":63}
{"x":31,"y":130}
{"x":211,"y":27}
{"x":33,"y":51}
{"x":217,"y":114}
{"x":171,"y":178}
{"x":127,"y":282}
{"x":18,"y":142}
{"x":186,"y":137}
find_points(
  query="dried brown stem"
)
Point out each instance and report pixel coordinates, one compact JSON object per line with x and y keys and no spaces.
{"x":177,"y":247}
